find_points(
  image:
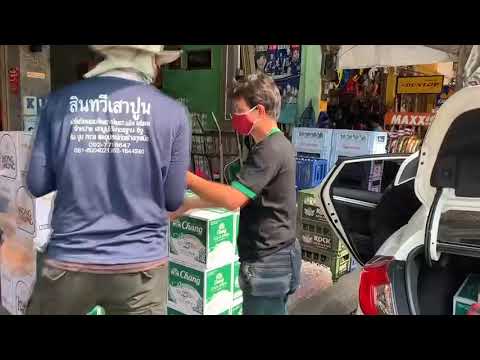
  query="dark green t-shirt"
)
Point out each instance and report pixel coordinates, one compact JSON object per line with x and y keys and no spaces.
{"x":268,"y":221}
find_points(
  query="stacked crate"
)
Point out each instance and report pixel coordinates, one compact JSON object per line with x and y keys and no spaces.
{"x":319,"y":242}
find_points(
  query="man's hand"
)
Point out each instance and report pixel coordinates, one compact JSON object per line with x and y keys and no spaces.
{"x":190,"y":204}
{"x":182,"y":210}
{"x":218,"y":195}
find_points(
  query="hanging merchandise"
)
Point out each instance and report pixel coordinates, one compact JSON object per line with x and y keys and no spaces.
{"x":404,"y":141}
{"x":282,"y":63}
{"x":351,"y":85}
{"x":447,"y":91}
{"x":308,"y":120}
{"x":339,"y":82}
{"x":406,"y":131}
{"x":323,"y":121}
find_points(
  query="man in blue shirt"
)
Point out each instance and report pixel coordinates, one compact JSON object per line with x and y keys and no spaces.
{"x":116,"y":150}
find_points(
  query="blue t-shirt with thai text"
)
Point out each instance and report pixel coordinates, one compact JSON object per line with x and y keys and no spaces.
{"x":116,"y":151}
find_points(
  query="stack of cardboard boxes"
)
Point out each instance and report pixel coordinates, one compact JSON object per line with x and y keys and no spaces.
{"x":25,"y":222}
{"x":203,"y":264}
{"x":330,"y":144}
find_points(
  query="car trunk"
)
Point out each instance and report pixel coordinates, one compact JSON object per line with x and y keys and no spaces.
{"x":431,"y":290}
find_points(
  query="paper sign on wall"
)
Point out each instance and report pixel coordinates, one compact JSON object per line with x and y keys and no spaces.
{"x":30,"y":105}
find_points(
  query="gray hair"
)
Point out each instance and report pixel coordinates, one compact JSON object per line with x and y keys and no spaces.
{"x":259,"y":89}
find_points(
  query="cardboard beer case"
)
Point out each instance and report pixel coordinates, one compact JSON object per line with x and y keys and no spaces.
{"x":200,"y":291}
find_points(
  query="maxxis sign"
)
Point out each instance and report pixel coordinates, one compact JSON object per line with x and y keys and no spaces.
{"x":420,"y":84}
{"x":409,"y":118}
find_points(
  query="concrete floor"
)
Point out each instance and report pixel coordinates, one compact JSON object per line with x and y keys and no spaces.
{"x":338,"y":299}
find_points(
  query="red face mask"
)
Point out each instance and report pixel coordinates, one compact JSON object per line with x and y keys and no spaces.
{"x":242,"y":124}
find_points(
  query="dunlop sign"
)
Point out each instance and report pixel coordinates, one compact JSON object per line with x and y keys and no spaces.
{"x":420,"y":84}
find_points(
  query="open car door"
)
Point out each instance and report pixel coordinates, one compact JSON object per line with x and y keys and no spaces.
{"x":361,"y":197}
{"x":448,"y":180}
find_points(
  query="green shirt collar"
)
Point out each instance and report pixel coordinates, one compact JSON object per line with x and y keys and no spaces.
{"x":274,"y":131}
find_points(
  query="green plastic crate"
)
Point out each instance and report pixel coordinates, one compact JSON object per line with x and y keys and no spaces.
{"x":306,"y":197}
{"x":338,"y":262}
{"x":467,"y":295}
{"x":319,"y":235}
{"x":97,"y":310}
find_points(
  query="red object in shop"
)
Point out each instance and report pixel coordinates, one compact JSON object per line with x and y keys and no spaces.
{"x":474,"y":309}
{"x":14,"y":80}
{"x":201,"y":174}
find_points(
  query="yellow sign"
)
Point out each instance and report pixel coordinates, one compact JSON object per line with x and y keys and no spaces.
{"x":36,"y":75}
{"x":323,"y":106}
{"x":420,"y":84}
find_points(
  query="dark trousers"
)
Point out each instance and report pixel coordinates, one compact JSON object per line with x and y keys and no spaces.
{"x":267,"y":282}
{"x":60,"y":292}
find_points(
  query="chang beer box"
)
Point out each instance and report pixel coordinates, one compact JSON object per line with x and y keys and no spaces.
{"x":204,"y":238}
{"x":350,"y":143}
{"x":237,"y":307}
{"x":467,"y":295}
{"x":237,"y":230}
{"x":15,"y":152}
{"x":195,"y":291}
{"x":171,"y":310}
{"x":237,"y":292}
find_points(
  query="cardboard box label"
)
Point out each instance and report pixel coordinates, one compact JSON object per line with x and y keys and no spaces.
{"x":313,"y":213}
{"x":25,"y":211}
{"x":9,"y":157}
{"x":200,"y":291}
{"x":203,"y":238}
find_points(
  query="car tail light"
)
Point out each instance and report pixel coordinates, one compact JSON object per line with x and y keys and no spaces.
{"x":375,"y":290}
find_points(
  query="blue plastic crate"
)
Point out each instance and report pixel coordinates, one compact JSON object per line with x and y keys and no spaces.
{"x":310,"y":172}
{"x":354,"y":265}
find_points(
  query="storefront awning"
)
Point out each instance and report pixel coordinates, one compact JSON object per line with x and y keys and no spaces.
{"x":367,"y":56}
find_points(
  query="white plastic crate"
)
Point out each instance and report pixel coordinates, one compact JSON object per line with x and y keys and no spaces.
{"x":352,"y":143}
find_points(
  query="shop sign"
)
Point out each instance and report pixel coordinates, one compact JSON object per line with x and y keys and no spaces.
{"x":14,"y":80}
{"x":420,"y":84}
{"x":408,"y":118}
{"x":36,"y":75}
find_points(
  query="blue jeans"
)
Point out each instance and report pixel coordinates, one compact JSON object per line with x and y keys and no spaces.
{"x":266,"y":283}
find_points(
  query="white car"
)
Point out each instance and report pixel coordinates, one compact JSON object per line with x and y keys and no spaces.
{"x":413,"y":222}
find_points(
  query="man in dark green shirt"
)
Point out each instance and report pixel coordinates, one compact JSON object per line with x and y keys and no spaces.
{"x":264,"y":189}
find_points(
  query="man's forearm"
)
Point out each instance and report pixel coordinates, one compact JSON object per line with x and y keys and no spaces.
{"x":218,"y":195}
{"x":197,"y":203}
